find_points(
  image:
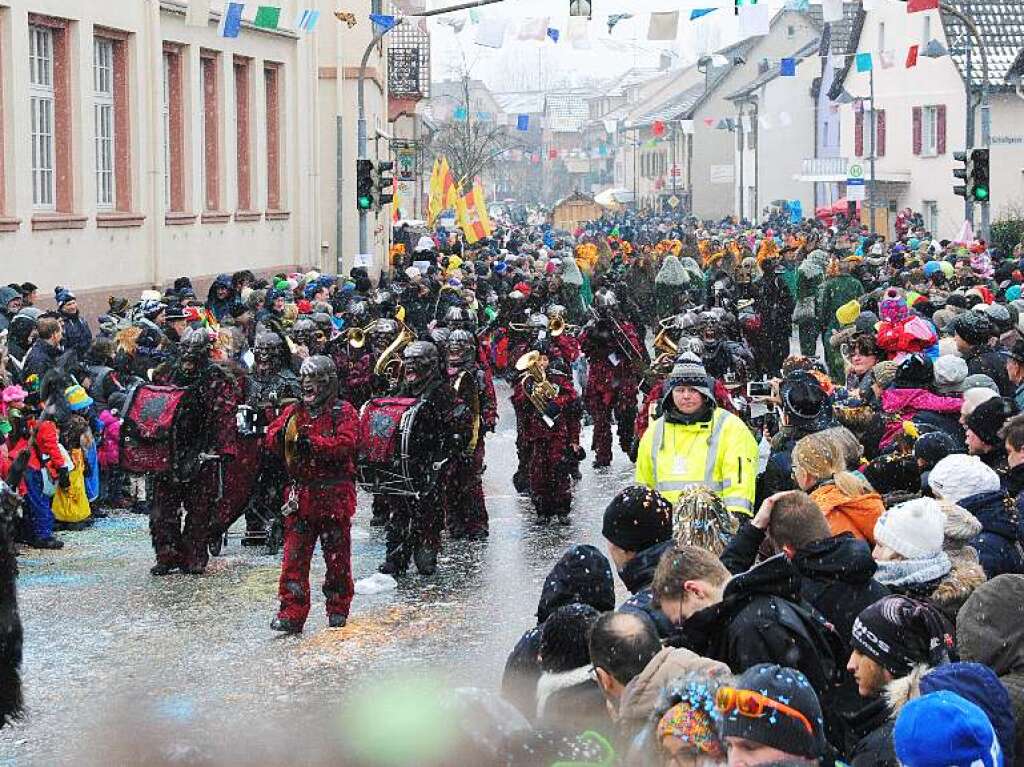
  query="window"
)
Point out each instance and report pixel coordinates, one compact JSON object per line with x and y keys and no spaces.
{"x":273,"y":98}
{"x":41,"y":100}
{"x":174,"y":131}
{"x":103,"y":121}
{"x":881,"y":36}
{"x":242,"y":121}
{"x":929,"y":130}
{"x":211,"y":135}
{"x":926,"y":29}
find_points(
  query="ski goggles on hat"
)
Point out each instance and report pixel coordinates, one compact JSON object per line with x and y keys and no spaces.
{"x":754,"y":705}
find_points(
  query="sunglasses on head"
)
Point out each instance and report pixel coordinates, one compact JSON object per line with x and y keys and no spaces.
{"x":754,"y":705}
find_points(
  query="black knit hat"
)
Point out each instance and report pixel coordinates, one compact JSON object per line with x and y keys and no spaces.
{"x":915,"y":372}
{"x":988,"y":418}
{"x":934,"y":446}
{"x":637,"y":518}
{"x":805,"y":401}
{"x":974,"y":327}
{"x":775,"y":728}
{"x":583,"y":574}
{"x":898,"y":633}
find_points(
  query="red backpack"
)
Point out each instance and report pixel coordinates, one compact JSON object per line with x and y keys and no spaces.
{"x":162,"y":431}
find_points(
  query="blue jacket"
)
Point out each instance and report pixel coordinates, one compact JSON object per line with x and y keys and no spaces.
{"x":637,"y":575}
{"x":1002,"y":530}
{"x":77,"y":334}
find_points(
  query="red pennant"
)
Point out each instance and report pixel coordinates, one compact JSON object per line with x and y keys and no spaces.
{"x":913,"y":6}
{"x":552,"y":154}
{"x":658,"y":129}
{"x":709,"y":121}
{"x":912,"y":56}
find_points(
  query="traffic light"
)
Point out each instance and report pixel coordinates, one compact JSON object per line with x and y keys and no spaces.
{"x":977,"y":187}
{"x":974,"y":174}
{"x":364,"y":184}
{"x":383,"y":184}
{"x":960,"y":190}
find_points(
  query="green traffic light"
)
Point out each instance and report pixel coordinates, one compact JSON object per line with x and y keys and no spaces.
{"x":364,"y":202}
{"x":981,"y":193}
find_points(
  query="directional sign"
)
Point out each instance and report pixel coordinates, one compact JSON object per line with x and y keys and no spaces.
{"x":674,"y":201}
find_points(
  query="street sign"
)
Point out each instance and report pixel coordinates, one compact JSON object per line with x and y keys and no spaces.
{"x":856,"y":171}
{"x":674,"y":201}
{"x":855,"y":190}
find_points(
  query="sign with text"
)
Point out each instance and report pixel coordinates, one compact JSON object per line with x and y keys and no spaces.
{"x":723,"y":174}
{"x":404,"y":71}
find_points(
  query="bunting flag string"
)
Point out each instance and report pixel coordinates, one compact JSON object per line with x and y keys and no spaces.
{"x":267,"y":17}
{"x":231,"y":20}
{"x":307,"y":20}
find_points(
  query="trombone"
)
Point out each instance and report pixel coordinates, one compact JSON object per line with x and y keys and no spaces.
{"x":357,"y":336}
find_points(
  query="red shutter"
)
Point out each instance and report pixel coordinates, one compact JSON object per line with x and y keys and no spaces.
{"x":917,"y":130}
{"x":940,"y":116}
{"x":880,"y":133}
{"x":858,"y":134}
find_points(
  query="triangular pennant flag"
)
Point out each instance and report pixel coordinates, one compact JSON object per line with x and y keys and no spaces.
{"x":615,"y":18}
{"x":267,"y":17}
{"x":553,"y":34}
{"x":887,"y":59}
{"x":915,"y":6}
{"x":198,"y":13}
{"x":755,"y":20}
{"x":658,"y":128}
{"x":787,"y":68}
{"x":663,"y":26}
{"x":797,"y":5}
{"x":231,"y":20}
{"x":461,"y":114}
{"x":709,"y":121}
{"x":912,"y":56}
{"x":490,"y":33}
{"x":696,"y":13}
{"x":474,"y":16}
{"x":864,"y":62}
{"x":610,"y":126}
{"x":382,"y":22}
{"x":349,"y":19}
{"x":523,"y":122}
{"x":831,"y":11}
{"x":533,"y":29}
{"x":718,"y":60}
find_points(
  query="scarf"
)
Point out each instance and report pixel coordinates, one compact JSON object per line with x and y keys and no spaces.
{"x":911,"y":572}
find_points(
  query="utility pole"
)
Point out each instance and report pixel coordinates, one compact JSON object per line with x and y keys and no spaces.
{"x":871,"y":159}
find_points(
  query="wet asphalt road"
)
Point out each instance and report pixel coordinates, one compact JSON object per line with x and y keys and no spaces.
{"x":107,"y":645}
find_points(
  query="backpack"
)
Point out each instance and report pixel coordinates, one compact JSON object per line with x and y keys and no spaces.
{"x":162,"y":431}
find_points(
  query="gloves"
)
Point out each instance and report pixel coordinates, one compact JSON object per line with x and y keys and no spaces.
{"x":63,"y":478}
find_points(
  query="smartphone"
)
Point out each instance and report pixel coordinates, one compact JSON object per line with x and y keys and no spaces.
{"x":759,"y":388}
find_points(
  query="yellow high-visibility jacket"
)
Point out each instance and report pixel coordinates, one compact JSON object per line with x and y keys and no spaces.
{"x":720,"y":454}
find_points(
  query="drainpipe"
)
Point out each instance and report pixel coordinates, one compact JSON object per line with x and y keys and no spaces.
{"x":154,"y":44}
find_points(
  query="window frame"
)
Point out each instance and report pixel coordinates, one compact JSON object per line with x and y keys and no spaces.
{"x":929,"y":130}
{"x":209,"y":68}
{"x":272,"y":97}
{"x":241,"y":68}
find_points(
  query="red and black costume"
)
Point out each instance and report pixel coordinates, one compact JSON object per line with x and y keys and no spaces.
{"x":612,"y":382}
{"x":219,"y":396}
{"x":317,"y":438}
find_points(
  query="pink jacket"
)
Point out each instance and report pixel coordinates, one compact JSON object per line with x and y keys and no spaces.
{"x":109,"y":449}
{"x":903,"y":404}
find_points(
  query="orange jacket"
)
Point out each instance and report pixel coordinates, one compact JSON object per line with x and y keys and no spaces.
{"x":849,"y":514}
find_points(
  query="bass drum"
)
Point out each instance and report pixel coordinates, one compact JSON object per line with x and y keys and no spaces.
{"x":398,"y":441}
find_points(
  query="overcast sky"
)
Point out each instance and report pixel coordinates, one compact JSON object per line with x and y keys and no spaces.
{"x":524,"y":63}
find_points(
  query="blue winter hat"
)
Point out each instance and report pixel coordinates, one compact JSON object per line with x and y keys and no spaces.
{"x":978,"y":684}
{"x":965,"y":737}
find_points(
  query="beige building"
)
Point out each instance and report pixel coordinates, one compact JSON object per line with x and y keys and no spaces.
{"x":135,"y":148}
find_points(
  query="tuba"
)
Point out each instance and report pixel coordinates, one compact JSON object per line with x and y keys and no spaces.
{"x":389,"y":365}
{"x":542,"y":391}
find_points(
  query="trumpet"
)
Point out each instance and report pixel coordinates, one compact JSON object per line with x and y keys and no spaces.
{"x":557,"y":326}
{"x":543,"y":391}
{"x":357,"y":336}
{"x":389,"y":365}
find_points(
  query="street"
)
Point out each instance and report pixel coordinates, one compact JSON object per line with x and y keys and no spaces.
{"x":107,"y":646}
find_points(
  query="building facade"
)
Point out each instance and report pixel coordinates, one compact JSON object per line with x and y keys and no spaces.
{"x":135,"y":149}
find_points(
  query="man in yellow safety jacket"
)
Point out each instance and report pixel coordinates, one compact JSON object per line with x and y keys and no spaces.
{"x":693,"y":442}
